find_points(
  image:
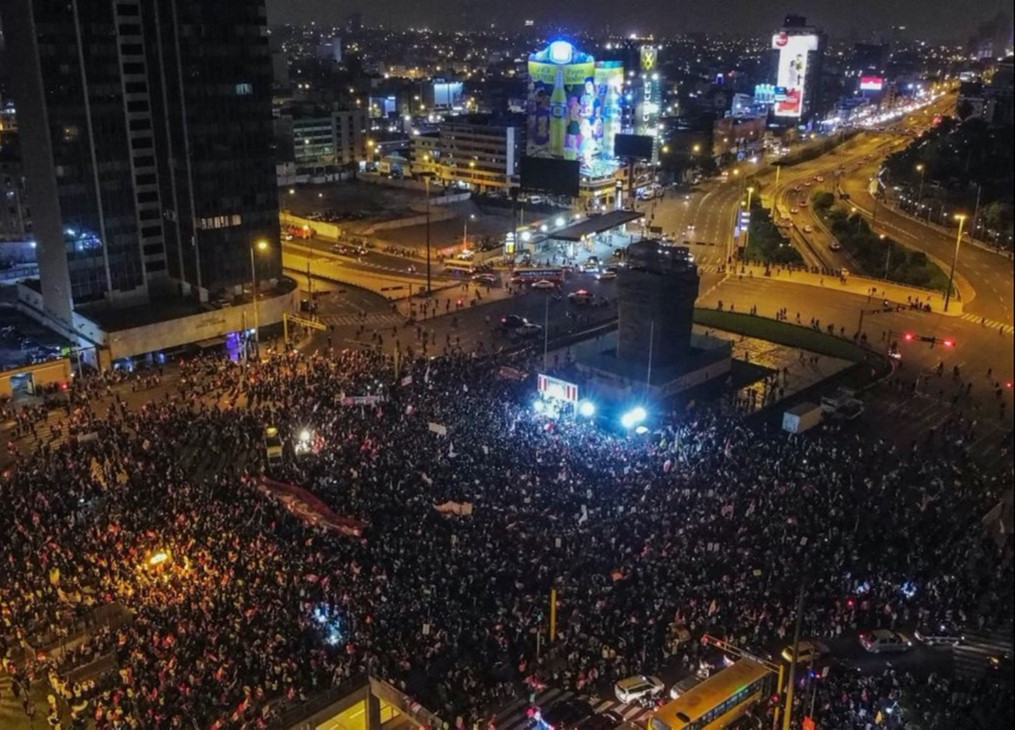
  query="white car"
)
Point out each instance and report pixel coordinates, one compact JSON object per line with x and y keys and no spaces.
{"x":808,"y":229}
{"x":638,"y":687}
{"x":543,"y":284}
{"x":606,"y":275}
{"x":835,"y":246}
{"x":883,"y":641}
{"x":465,"y":255}
{"x":794,"y":211}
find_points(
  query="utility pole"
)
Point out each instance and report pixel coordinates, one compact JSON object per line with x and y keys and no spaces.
{"x":787,"y":715}
{"x":426,"y":185}
{"x":955,"y":259}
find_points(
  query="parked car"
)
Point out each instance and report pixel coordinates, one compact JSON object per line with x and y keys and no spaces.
{"x":807,"y":652}
{"x":883,"y":641}
{"x":638,"y":687}
{"x":566,"y":714}
{"x":687,"y":683}
{"x":512,"y":321}
{"x":527,"y":331}
{"x":601,"y":721}
{"x":938,"y":633}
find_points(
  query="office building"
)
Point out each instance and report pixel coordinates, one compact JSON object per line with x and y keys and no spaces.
{"x":146,"y":138}
{"x":318,"y":134}
{"x":478,"y":151}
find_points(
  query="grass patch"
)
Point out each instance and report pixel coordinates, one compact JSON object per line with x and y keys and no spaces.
{"x":782,"y":333}
{"x":879,"y":257}
{"x":767,"y":243}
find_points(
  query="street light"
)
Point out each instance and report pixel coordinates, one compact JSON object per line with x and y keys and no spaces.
{"x":919,"y":195}
{"x":426,"y":185}
{"x":961,"y":218}
{"x":261,"y":245}
{"x":465,"y":230}
{"x":888,"y":254}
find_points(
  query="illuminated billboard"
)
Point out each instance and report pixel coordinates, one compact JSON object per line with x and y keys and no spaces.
{"x":791,"y":78}
{"x":871,"y":83}
{"x":573,"y":104}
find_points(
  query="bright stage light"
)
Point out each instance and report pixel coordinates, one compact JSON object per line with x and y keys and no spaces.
{"x":633,"y":417}
{"x":587,"y":409}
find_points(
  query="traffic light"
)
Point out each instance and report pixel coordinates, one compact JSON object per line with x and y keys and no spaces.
{"x":908,"y":337}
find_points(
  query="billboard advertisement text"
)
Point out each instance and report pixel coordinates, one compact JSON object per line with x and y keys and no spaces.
{"x":792,"y":73}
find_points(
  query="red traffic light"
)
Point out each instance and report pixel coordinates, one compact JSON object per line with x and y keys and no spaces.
{"x":948,"y":342}
{"x":908,"y":337}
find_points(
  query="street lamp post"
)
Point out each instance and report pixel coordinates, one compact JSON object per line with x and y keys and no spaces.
{"x":465,"y":230}
{"x":888,"y":254}
{"x":261,"y":245}
{"x":426,"y":185}
{"x":747,"y":228}
{"x":961,"y":217}
{"x":919,"y":194}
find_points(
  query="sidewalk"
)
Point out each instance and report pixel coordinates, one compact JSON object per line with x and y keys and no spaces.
{"x":876,"y":289}
{"x":952,"y":232}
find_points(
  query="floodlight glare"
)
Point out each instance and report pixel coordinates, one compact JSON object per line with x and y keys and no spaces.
{"x":633,"y":417}
{"x":539,"y":406}
{"x":587,"y":409}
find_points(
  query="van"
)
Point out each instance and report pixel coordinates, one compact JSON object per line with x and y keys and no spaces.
{"x":272,"y":445}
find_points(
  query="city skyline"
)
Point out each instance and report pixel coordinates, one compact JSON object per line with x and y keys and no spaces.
{"x":932,"y":19}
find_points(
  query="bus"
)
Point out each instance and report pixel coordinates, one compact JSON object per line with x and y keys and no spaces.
{"x":531,"y":274}
{"x":718,"y":701}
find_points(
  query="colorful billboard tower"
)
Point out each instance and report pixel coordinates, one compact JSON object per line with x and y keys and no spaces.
{"x":651,"y":95}
{"x":573,"y":104}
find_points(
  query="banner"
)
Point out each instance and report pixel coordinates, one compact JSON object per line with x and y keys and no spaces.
{"x":462,"y":509}
{"x":362,"y":400}
{"x":437,"y":428}
{"x":309,"y":508}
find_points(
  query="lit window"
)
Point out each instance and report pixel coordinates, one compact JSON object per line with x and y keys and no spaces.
{"x":244,"y":89}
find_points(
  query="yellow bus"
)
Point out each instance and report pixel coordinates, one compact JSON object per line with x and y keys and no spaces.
{"x":718,"y":701}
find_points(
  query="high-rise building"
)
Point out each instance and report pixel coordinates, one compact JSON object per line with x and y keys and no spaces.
{"x":146,"y":134}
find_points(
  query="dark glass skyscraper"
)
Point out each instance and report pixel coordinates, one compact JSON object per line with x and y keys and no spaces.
{"x":147,"y":144}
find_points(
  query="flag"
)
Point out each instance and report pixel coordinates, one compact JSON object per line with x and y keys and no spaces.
{"x":407,"y":380}
{"x":426,"y":375}
{"x":712,"y":607}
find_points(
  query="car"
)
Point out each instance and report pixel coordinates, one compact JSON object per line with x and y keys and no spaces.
{"x":794,"y":211}
{"x":808,"y":184}
{"x":819,"y":179}
{"x":273,"y":447}
{"x":687,"y":683}
{"x":341,"y":249}
{"x":690,"y":228}
{"x":807,"y":651}
{"x":590,"y":266}
{"x":543,"y":284}
{"x":638,"y":687}
{"x":606,"y":275}
{"x":465,"y":255}
{"x":835,"y":246}
{"x":808,"y":229}
{"x":601,"y":721}
{"x":287,"y":236}
{"x":566,"y":714}
{"x":883,"y":641}
{"x":527,"y":330}
{"x":593,"y":260}
{"x":512,"y":321}
{"x":581,"y":297}
{"x":485,"y":278}
{"x":938,"y":633}
{"x":803,"y":203}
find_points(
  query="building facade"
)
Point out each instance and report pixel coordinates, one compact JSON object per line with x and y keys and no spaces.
{"x":146,"y":137}
{"x":478,"y":151}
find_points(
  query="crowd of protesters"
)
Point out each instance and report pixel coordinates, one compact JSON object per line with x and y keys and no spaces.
{"x":702,"y":522}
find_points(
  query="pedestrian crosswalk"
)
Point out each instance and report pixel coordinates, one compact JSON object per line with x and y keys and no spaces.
{"x":518,"y":714}
{"x":972,"y":658}
{"x":372,"y":320}
{"x":989,"y":323}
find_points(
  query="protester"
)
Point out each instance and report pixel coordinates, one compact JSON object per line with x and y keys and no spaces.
{"x":249,"y":609}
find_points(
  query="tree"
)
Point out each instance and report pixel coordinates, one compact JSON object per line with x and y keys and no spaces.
{"x":964,"y":109}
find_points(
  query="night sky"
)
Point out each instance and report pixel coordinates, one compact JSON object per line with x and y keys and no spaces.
{"x":936,"y":19}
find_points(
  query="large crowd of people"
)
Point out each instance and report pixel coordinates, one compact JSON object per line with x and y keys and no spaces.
{"x":241,"y":608}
